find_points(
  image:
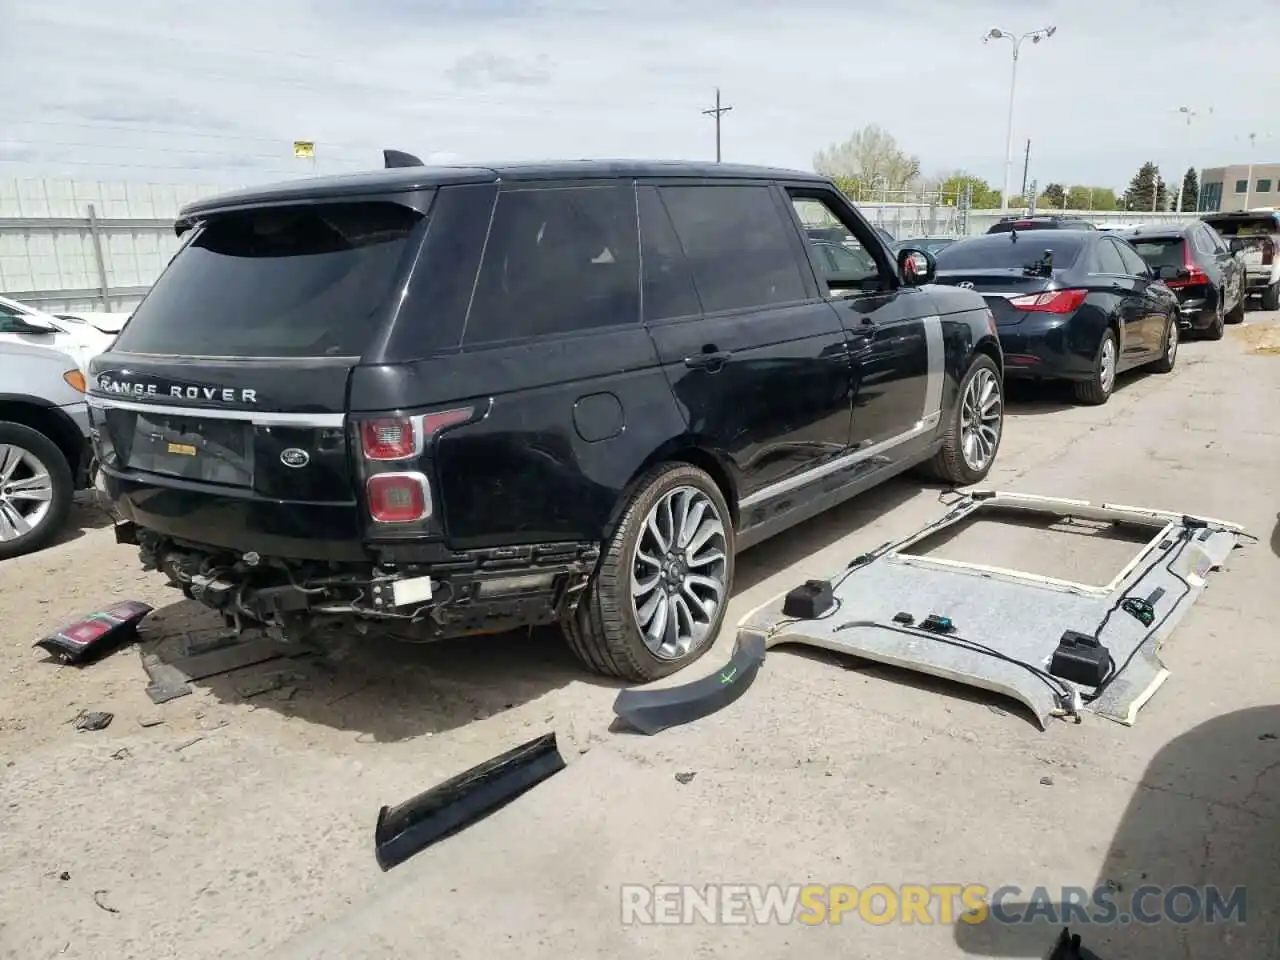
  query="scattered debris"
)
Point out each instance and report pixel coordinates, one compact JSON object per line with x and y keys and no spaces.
{"x":256,"y":686}
{"x":417,"y":823}
{"x":97,"y":898}
{"x":226,"y":653}
{"x":97,"y":720}
{"x":187,"y":743}
{"x":685,"y":777}
{"x":1268,"y":736}
{"x":150,"y":721}
{"x":88,"y":639}
{"x":121,"y":754}
{"x":1046,"y":781}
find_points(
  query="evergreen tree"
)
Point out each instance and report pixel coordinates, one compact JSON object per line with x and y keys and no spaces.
{"x":1139,"y":196}
{"x":1190,"y":190}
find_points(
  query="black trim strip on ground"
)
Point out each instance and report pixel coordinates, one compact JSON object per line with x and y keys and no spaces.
{"x":460,"y":801}
{"x":652,"y":711}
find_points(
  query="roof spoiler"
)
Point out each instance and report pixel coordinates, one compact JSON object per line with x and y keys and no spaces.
{"x":398,"y":158}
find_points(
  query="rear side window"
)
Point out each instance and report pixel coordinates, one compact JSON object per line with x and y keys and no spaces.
{"x":558,"y":260}
{"x":1106,"y":259}
{"x":1160,"y":251}
{"x":1133,"y":264}
{"x":299,"y":281}
{"x":740,"y":244}
{"x":999,"y":252}
{"x":668,"y":282}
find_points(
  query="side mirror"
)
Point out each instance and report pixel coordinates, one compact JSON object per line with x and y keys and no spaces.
{"x":916,"y":266}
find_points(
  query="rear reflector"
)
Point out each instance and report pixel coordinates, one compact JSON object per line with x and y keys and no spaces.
{"x":398,"y":497}
{"x":1051,"y":301}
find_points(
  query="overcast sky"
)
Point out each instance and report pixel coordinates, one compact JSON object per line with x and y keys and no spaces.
{"x":172,"y":90}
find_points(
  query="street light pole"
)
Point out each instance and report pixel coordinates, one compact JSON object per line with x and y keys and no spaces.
{"x":1035,"y":36}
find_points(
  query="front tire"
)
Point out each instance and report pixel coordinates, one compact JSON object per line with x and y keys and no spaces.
{"x":1098,"y":388}
{"x":1169,"y":355}
{"x":659,"y":595}
{"x":36,"y":488}
{"x":1236,"y":313}
{"x":974,"y":428}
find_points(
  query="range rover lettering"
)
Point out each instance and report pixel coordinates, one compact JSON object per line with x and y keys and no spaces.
{"x":436,"y":402}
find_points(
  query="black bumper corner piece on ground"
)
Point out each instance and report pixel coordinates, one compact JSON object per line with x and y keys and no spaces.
{"x":652,"y":711}
{"x":448,"y":807}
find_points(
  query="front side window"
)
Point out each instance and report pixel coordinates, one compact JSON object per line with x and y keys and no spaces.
{"x":557,"y":260}
{"x":843,"y":262}
{"x":10,"y":320}
{"x":739,"y":245}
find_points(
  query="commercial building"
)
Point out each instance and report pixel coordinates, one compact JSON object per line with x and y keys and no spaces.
{"x":1240,"y":187}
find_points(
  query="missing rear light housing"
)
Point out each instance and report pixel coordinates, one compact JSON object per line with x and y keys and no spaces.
{"x":1051,"y":301}
{"x":398,"y":497}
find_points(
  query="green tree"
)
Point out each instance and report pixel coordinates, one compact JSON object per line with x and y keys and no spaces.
{"x":1091,"y":198}
{"x":1053,"y":196}
{"x":1147,"y":190}
{"x":870,"y":160}
{"x":982,"y":196}
{"x":1190,"y":190}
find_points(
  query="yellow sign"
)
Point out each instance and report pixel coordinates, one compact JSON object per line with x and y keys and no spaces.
{"x":304,"y":149}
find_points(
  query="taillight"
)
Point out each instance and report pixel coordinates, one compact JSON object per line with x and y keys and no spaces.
{"x":1268,"y":252}
{"x":390,"y":439}
{"x":1051,"y":301}
{"x":401,"y":438}
{"x":398,"y":497}
{"x":1195,"y":276}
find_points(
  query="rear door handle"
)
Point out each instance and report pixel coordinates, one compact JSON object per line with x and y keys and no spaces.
{"x":711,"y":360}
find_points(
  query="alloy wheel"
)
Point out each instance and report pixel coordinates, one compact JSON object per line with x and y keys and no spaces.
{"x":981,"y":419}
{"x":26,"y":492}
{"x":1107,"y":365}
{"x":1171,"y":342}
{"x":678,"y":572}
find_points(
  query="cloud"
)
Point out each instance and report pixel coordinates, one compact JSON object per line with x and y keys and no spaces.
{"x":180,"y":89}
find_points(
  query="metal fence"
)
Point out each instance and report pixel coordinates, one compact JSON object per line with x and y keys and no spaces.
{"x":76,"y":245}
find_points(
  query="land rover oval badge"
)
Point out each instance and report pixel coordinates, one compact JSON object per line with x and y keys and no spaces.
{"x":293,"y":457}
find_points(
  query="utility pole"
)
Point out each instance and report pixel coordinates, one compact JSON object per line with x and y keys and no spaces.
{"x":1026,"y":162}
{"x":717,"y":111}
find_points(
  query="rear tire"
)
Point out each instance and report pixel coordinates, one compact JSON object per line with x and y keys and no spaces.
{"x":32,"y":509}
{"x":1215,"y":330}
{"x":974,"y":429}
{"x":1098,"y":388}
{"x":635,"y":582}
{"x":1271,"y":297}
{"x":1236,"y":313}
{"x":1169,"y":354}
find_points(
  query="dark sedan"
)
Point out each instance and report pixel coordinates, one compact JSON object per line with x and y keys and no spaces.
{"x":1198,"y":266}
{"x":1069,"y":305}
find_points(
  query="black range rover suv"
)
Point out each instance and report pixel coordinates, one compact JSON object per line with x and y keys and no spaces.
{"x":450,"y":401}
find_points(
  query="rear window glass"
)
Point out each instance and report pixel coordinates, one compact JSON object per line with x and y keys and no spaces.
{"x":300,"y":281}
{"x":1001,"y":253}
{"x":1159,"y":251}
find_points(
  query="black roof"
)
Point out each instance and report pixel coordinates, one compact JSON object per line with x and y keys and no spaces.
{"x":1156,"y":231}
{"x":404,"y":179}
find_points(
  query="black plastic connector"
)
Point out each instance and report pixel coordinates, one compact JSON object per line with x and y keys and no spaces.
{"x":809,"y":601}
{"x":936,"y":623}
{"x":904,"y":618}
{"x":1081,"y":659}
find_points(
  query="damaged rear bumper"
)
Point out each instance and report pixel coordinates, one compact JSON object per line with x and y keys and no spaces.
{"x":457,"y":594}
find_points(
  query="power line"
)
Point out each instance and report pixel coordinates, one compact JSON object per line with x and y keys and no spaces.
{"x":717,"y":111}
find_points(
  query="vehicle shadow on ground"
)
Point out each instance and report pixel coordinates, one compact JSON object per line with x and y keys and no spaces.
{"x":1055,"y":396}
{"x":385,"y":690}
{"x":1201,"y":825}
{"x":86,"y":514}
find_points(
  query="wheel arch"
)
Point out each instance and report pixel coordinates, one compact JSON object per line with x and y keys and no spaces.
{"x":687,"y":448}
{"x":49,"y":421}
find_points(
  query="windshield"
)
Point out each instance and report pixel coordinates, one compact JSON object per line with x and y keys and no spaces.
{"x":299,"y":281}
{"x":999,"y":252}
{"x":1160,"y":251}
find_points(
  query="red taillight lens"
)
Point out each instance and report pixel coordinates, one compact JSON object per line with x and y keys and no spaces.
{"x":398,"y":497}
{"x":1268,"y":252}
{"x":401,"y":438}
{"x":1051,"y":301}
{"x":389,"y":439}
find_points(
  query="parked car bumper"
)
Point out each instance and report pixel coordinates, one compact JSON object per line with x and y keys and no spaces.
{"x":1046,"y":347}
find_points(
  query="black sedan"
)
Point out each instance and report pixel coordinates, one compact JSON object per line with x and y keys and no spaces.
{"x":1069,"y":305}
{"x":1198,"y":266}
